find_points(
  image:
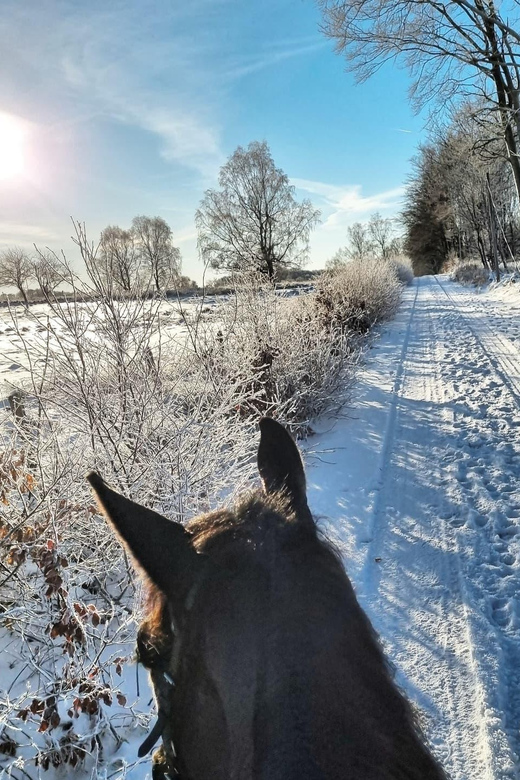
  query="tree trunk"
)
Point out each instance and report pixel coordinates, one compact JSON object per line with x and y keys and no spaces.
{"x":24,"y":296}
{"x":270,"y":267}
{"x":512,"y":155}
{"x":493,"y":233}
{"x":504,"y":98}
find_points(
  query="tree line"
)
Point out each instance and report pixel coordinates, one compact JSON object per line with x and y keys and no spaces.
{"x":461,"y":200}
{"x":253,"y":222}
{"x":377,"y":239}
{"x":142,"y":257}
{"x":464,"y":60}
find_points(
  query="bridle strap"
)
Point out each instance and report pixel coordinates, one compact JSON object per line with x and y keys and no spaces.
{"x":162,"y":716}
{"x":153,"y":736}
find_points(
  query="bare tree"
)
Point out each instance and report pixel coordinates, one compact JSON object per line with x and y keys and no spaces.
{"x":47,"y":270}
{"x":253,"y":222}
{"x":461,"y":198}
{"x":117,"y":256}
{"x":338,"y":261}
{"x":16,"y":269}
{"x":462,"y":47}
{"x":156,"y":252}
{"x":360,"y":243}
{"x":384,"y":243}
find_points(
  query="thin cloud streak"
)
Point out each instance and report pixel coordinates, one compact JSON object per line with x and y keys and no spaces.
{"x":120,"y":62}
{"x":341,"y":207}
{"x":113,"y":81}
{"x":346,"y":202}
{"x":273,"y":58}
{"x":25,"y":235}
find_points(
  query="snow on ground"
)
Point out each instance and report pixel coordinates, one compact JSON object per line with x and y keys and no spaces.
{"x":419,"y":485}
{"x":13,"y":360}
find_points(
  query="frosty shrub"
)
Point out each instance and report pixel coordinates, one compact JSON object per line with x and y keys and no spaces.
{"x":451,"y":261}
{"x":403,"y":268}
{"x":278,"y":356}
{"x":470,"y":273}
{"x":358,"y":295}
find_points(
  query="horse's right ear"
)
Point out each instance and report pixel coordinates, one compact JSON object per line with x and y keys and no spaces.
{"x":161,"y":547}
{"x":280,"y":466}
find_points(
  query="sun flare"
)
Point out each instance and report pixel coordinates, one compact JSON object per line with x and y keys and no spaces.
{"x":12,"y":141}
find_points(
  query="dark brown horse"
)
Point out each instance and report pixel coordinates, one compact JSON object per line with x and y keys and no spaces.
{"x":263,"y":663}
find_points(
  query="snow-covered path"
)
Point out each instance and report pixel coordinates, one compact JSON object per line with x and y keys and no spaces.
{"x":420,"y":488}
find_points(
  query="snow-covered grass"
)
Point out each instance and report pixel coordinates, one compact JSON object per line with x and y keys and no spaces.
{"x":470,"y":273}
{"x":162,"y":399}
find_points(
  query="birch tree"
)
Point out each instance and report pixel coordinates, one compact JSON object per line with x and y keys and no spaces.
{"x":16,"y":269}
{"x":118,"y":256}
{"x":47,"y":270}
{"x":381,"y":230}
{"x":360,"y":245}
{"x":159,"y":258}
{"x":254,"y":222}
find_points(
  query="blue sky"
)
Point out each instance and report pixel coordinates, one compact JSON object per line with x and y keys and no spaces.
{"x":130,"y":107}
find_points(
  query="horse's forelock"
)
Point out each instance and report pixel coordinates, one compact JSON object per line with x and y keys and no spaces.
{"x":256,"y":513}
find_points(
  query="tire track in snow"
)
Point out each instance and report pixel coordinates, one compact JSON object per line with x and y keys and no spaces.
{"x":485,"y":515}
{"x":462,"y":709}
{"x":389,"y":435}
{"x":410,"y":581}
{"x":505,"y":360}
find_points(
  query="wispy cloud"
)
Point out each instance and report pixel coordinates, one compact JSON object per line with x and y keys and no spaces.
{"x":122,"y":61}
{"x":142,"y":65}
{"x":272,"y":57}
{"x":343,"y":205}
{"x":25,"y":234}
{"x":166,"y":102}
{"x":186,"y":235}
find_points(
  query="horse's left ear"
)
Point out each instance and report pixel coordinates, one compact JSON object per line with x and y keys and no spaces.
{"x":280,"y":466}
{"x":161,"y":547}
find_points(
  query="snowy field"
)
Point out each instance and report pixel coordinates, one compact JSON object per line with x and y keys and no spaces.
{"x":14,"y":365}
{"x":418,"y":484}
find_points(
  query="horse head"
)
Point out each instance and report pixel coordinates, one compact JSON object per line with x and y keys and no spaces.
{"x":263,"y":664}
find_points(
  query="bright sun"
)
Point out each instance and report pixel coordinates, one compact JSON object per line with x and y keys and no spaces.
{"x":12,"y":137}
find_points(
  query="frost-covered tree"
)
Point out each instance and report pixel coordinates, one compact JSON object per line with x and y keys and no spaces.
{"x":360,"y":244}
{"x":385,"y":243}
{"x":158,"y":257}
{"x":461,"y":198}
{"x":254,"y":222}
{"x":47,"y":270}
{"x":117,"y":257}
{"x":16,"y":269}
